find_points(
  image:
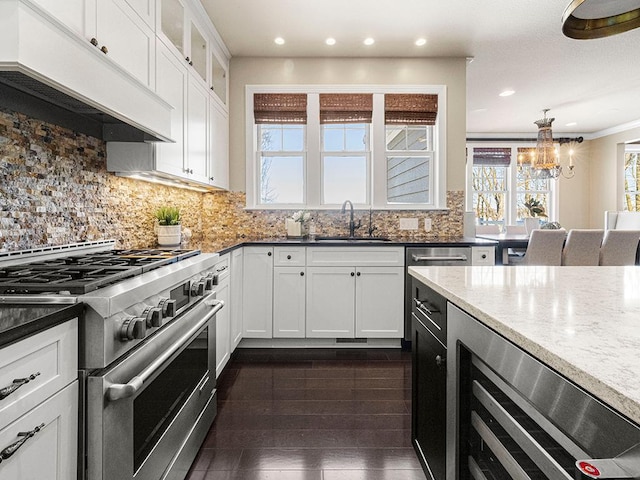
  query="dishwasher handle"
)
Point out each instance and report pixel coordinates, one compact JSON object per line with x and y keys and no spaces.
{"x":439,"y":258}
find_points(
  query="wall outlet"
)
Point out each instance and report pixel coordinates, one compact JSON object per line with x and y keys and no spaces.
{"x":427,"y":224}
{"x":408,"y":224}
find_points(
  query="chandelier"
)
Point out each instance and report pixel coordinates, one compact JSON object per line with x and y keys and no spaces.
{"x":546,"y":162}
{"x":588,"y":19}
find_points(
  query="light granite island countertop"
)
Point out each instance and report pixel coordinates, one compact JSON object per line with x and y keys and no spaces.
{"x":584,"y":322}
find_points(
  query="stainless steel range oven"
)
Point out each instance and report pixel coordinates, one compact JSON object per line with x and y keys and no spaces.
{"x":147,"y":350}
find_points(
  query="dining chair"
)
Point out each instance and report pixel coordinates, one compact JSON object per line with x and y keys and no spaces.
{"x":545,"y":247}
{"x":619,"y":247}
{"x":582,"y":247}
{"x":491,"y":228}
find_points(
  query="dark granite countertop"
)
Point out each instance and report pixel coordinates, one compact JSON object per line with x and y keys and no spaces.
{"x":305,"y":242}
{"x":19,"y":321}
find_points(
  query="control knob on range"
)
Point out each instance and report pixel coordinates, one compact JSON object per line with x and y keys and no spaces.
{"x":210,"y":281}
{"x":168,"y":307}
{"x":153,"y":316}
{"x":197,"y":288}
{"x":133,"y":328}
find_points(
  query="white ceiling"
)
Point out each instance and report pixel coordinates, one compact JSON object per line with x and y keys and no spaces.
{"x":515,"y":45}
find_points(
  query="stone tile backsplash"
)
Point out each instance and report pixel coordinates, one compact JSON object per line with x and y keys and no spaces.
{"x":55,"y":190}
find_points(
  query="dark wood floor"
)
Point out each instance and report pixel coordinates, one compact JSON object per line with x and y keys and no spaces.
{"x":312,"y":414}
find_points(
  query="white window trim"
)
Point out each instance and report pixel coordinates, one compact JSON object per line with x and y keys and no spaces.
{"x":511,"y":214}
{"x":378,"y":186}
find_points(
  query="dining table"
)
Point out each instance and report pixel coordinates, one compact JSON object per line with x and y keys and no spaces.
{"x":506,"y":241}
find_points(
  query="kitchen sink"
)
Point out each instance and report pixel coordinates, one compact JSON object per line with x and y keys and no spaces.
{"x":353,"y":239}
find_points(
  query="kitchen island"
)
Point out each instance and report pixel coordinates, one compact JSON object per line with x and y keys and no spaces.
{"x":564,"y":326}
{"x":583,"y":322}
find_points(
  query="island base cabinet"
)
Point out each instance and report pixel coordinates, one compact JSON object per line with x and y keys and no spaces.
{"x":379,"y":302}
{"x":330,"y":302}
{"x":429,"y":392}
{"x":289,"y":285}
{"x":51,"y":453}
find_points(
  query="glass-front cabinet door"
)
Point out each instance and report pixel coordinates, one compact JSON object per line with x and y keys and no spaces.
{"x":172,"y":23}
{"x":218,"y":79}
{"x":198,"y":51}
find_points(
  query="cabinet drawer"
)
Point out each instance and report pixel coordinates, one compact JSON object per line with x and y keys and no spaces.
{"x":355,"y":256}
{"x":483,"y":256}
{"x":289,"y":256}
{"x":50,"y":453}
{"x":52,"y":356}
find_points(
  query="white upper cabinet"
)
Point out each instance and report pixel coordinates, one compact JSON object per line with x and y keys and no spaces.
{"x":218,"y":78}
{"x":179,"y":29}
{"x":121,"y":29}
{"x":218,"y":146}
{"x":124,"y":37}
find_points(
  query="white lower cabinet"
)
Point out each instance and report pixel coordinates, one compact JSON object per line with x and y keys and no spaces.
{"x":289,"y":286}
{"x":51,"y":452}
{"x":379,"y":302}
{"x":323,"y":292}
{"x":257,"y":292}
{"x":237,"y":257}
{"x":46,"y":406}
{"x":223,"y":317}
{"x":330,"y":302}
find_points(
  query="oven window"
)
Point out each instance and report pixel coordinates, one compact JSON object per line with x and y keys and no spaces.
{"x":162,"y":399}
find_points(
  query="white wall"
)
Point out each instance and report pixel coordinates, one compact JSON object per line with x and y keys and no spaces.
{"x":350,"y":71}
{"x":574,"y":193}
{"x":606,"y":185}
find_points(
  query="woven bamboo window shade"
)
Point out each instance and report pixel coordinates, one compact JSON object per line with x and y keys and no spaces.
{"x":346,"y":107}
{"x":495,"y":157}
{"x":288,"y":108}
{"x":410,"y":109}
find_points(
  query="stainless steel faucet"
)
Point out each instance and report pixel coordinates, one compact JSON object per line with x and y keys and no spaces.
{"x":352,"y":224}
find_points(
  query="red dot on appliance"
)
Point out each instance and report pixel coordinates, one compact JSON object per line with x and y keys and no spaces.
{"x":590,"y":469}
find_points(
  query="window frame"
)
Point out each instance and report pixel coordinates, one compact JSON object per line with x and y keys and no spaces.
{"x":630,"y":149}
{"x":511,"y":198}
{"x":377,"y":174}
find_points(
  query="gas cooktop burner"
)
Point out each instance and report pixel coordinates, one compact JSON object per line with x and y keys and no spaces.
{"x":79,"y":274}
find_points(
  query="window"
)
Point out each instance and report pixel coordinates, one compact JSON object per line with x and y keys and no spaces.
{"x":281,"y":163}
{"x":345,"y":149}
{"x":316,"y":148}
{"x":632,"y":178}
{"x":280,"y":124}
{"x":500,"y":184}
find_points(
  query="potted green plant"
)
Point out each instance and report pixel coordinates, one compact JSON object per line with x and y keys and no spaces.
{"x":168,"y":227}
{"x":536,"y":210}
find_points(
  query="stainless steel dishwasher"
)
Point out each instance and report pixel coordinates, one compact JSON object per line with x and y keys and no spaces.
{"x":428,"y":257}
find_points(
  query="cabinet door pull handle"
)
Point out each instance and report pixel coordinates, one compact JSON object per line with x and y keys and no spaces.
{"x":353,"y":274}
{"x":104,"y":49}
{"x":13,"y":448}
{"x":17,"y":383}
{"x":302,"y":274}
{"x":94,"y":42}
{"x":187,"y":59}
{"x":358,"y":274}
{"x":440,"y":361}
{"x":288,"y":257}
{"x":268,"y":254}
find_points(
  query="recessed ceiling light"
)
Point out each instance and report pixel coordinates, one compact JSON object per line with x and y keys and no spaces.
{"x":330,"y":41}
{"x":421,"y":41}
{"x":279,"y":40}
{"x":571,"y":124}
{"x":369,"y":41}
{"x":507,"y":93}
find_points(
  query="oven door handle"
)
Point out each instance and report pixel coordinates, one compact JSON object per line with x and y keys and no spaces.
{"x":428,"y":258}
{"x":118,"y":391}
